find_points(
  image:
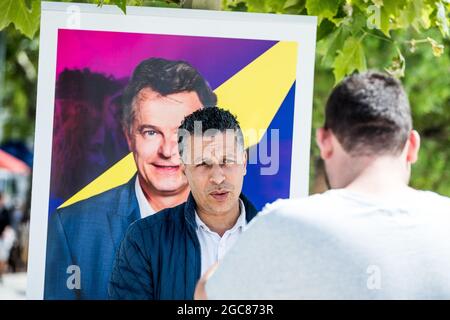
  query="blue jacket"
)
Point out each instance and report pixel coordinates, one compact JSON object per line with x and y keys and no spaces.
{"x":87,"y":234}
{"x":159,"y":258}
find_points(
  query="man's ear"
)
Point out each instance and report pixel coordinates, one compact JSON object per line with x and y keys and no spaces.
{"x":324,"y":142}
{"x":413,"y":146}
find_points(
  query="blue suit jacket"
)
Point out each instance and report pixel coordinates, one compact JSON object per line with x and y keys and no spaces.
{"x":87,"y":234}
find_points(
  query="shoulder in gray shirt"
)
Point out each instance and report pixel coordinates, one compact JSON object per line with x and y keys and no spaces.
{"x":342,"y":245}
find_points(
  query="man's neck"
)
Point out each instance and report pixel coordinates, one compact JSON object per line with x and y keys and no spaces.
{"x":220,"y":223}
{"x":160,"y":200}
{"x":380,"y":177}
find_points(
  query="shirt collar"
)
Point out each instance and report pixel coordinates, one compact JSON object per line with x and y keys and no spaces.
{"x":240,"y":223}
{"x":144,"y":206}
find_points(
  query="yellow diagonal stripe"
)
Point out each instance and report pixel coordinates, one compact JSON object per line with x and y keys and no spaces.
{"x":120,"y":173}
{"x":256,"y":92}
{"x":254,"y":95}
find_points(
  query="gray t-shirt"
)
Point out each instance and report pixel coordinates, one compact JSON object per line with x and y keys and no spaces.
{"x":342,"y":245}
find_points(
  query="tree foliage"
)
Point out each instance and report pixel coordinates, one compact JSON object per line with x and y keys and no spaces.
{"x":427,"y":83}
{"x":18,"y":92}
{"x":24,"y":18}
{"x":25,"y":14}
{"x":345,"y":27}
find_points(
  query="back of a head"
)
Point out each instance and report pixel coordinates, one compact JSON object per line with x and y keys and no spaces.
{"x":370,"y":115}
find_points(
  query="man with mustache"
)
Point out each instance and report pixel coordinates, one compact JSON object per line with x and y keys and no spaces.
{"x":83,"y":238}
{"x":163,"y":256}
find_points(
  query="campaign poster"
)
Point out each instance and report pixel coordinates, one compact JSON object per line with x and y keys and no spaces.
{"x":259,"y":66}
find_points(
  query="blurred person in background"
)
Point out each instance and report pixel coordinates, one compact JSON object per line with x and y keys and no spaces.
{"x":7,"y":235}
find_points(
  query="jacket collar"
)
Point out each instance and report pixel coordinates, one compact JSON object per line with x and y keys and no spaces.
{"x":126,"y":203}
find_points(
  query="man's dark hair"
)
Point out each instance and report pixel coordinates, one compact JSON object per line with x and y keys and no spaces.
{"x":211,"y":119}
{"x":164,"y":77}
{"x":370,"y":115}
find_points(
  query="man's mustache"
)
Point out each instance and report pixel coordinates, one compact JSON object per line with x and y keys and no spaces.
{"x":223,"y":187}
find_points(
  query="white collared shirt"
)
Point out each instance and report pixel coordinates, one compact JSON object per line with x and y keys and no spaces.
{"x":213,"y":247}
{"x":144,"y":206}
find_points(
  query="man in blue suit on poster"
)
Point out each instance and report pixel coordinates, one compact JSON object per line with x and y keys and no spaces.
{"x":83,"y":238}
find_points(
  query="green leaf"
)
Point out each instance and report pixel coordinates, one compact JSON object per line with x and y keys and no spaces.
{"x":292,"y":3}
{"x":322,"y":9}
{"x":358,"y":21}
{"x":325,"y":28}
{"x":335,"y":42}
{"x":122,"y":4}
{"x":360,"y":4}
{"x":240,"y":6}
{"x":17,"y":12}
{"x":378,"y":3}
{"x":268,"y":6}
{"x":294,"y":6}
{"x":163,"y":4}
{"x":408,"y":16}
{"x":384,"y":23}
{"x":256,"y":5}
{"x":411,"y":15}
{"x":349,"y":59}
{"x":393,"y":7}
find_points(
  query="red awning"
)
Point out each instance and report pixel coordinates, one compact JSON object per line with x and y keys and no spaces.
{"x":12,"y":164}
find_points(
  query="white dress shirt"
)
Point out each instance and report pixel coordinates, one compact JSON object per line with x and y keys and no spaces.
{"x":144,"y":206}
{"x":212,"y":246}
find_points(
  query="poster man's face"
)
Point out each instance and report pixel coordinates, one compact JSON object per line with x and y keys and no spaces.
{"x":153,"y":139}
